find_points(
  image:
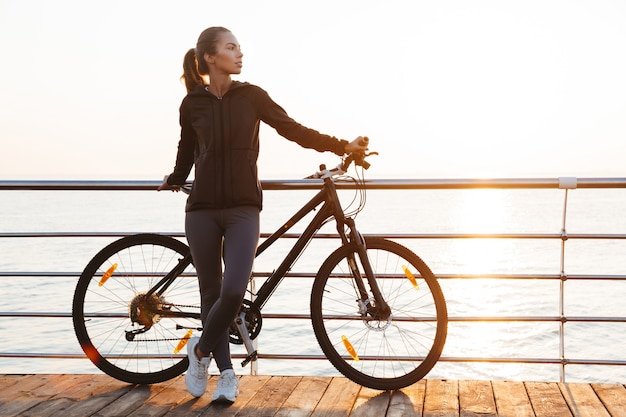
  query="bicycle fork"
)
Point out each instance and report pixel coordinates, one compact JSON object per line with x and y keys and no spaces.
{"x":380,"y":310}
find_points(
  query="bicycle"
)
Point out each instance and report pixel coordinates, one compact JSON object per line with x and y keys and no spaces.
{"x":377,"y":310}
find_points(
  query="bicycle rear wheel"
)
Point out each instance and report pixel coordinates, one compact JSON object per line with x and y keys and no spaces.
{"x":389,"y":354}
{"x":110,"y":289}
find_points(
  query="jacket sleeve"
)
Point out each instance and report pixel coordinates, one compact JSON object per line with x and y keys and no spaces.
{"x":275,"y":116}
{"x":186,"y":150}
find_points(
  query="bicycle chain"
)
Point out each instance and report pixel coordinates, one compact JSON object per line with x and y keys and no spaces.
{"x":183,"y":305}
{"x":155,"y":340}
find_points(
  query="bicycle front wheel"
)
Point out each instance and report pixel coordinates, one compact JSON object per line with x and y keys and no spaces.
{"x":112,"y":289}
{"x":380,"y":354}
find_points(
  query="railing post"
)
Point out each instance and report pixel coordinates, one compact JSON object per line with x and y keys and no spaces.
{"x":254,"y":367}
{"x":566,"y":183}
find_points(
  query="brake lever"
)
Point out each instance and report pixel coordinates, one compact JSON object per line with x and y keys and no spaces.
{"x":359,"y":159}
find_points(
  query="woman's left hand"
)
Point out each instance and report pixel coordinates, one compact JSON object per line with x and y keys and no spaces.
{"x":166,"y":186}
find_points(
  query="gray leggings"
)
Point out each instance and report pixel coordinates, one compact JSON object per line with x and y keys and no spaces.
{"x":231,"y":234}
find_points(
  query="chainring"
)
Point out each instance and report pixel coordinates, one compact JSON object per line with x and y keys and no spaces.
{"x":253,"y":323}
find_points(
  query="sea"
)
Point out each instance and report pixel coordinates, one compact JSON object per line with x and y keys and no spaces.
{"x":430,"y":212}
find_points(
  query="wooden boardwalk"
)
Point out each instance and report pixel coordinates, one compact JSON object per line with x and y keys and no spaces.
{"x":260,"y":396}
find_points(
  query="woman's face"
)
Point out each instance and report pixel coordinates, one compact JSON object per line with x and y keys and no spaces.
{"x":228,"y":58}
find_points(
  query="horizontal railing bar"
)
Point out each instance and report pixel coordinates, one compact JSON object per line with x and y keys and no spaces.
{"x":42,"y":355}
{"x":559,"y":236}
{"x":78,"y":234}
{"x":31,"y":314}
{"x":485,"y":318}
{"x":479,"y":359}
{"x":567,"y":319}
{"x":307,"y":184}
{"x":534,"y":360}
{"x":554,"y":361}
{"x":573,"y":277}
{"x":282,"y":316}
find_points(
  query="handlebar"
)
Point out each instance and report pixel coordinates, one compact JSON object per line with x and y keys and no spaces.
{"x":357,"y":157}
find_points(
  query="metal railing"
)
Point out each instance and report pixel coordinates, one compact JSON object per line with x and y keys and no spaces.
{"x":562,"y":319}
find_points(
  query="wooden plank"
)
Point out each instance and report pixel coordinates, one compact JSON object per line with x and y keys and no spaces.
{"x":131,"y":400}
{"x":582,"y":400}
{"x":63,"y":399}
{"x":371,"y":403}
{"x":613,"y":397}
{"x":7,"y":381}
{"x":248,"y":387}
{"x":337,"y":399}
{"x":547,"y":400}
{"x":25,"y":383}
{"x":34,"y":390}
{"x":304,"y":397}
{"x":442,"y":398}
{"x":166,"y":396}
{"x":101,"y":391}
{"x":512,"y":399}
{"x":188,"y":405}
{"x":270,"y":397}
{"x":409,"y":401}
{"x":476,"y":399}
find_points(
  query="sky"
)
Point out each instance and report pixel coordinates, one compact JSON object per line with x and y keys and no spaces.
{"x":443,"y":89}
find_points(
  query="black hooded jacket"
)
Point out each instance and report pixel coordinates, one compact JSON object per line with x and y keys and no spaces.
{"x":221,"y":138}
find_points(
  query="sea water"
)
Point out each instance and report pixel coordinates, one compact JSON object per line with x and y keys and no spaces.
{"x":386,"y":212}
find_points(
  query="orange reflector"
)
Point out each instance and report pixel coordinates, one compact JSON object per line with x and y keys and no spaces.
{"x":410,"y":276}
{"x":350,"y":348}
{"x":183,"y":341}
{"x":107,"y":275}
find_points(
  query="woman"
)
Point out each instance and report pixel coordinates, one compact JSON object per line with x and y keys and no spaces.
{"x":220,"y":121}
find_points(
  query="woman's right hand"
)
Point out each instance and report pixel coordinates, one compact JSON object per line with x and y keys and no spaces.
{"x":166,"y":186}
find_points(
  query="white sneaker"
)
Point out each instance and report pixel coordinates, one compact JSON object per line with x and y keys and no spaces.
{"x":227,"y":387}
{"x":197,"y":372}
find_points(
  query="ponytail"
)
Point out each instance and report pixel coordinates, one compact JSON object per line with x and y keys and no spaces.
{"x":191,"y":76}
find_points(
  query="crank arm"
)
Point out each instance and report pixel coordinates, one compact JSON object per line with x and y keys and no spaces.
{"x":240,"y":322}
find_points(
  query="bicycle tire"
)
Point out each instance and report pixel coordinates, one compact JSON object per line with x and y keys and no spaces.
{"x":101,"y":315}
{"x":385,"y":355}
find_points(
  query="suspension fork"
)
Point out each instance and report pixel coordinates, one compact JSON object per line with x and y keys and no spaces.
{"x":380,"y":310}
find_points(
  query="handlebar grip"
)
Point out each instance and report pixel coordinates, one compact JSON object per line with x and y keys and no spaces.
{"x":364,"y":141}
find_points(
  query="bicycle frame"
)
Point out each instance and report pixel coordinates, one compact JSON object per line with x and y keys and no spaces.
{"x":330,"y":208}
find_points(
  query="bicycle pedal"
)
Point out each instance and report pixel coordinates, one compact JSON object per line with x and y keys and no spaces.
{"x":249,"y":358}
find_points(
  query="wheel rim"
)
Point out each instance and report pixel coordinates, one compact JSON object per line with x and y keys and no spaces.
{"x":103,"y":330}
